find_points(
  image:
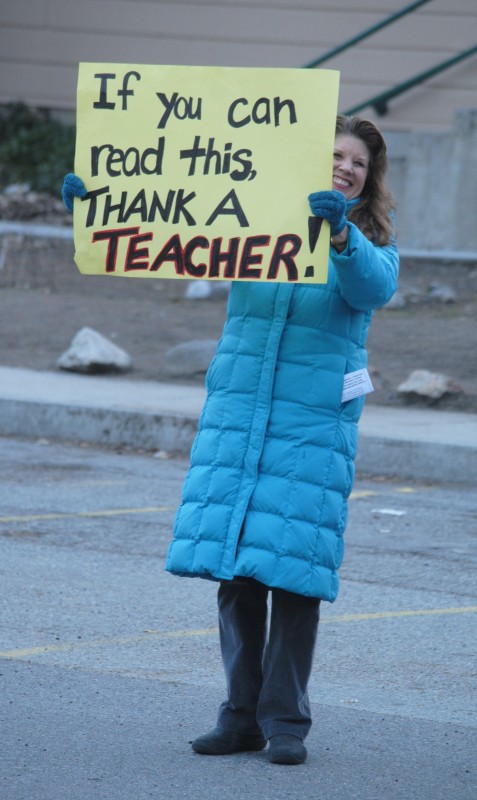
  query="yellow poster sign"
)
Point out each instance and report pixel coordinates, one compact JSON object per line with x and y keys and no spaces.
{"x":203,"y":172}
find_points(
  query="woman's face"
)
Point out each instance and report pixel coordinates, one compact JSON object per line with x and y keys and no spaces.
{"x":351,"y":160}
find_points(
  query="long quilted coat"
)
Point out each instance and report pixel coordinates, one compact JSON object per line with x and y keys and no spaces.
{"x":272,"y":465}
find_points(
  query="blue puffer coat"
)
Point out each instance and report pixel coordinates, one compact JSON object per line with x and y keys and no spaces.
{"x":272,"y":464}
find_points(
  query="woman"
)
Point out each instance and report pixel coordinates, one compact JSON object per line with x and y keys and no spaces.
{"x":264,"y":503}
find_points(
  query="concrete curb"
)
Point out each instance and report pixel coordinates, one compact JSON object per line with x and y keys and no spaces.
{"x":422,"y":461}
{"x":111,"y":427}
{"x":412,"y":444}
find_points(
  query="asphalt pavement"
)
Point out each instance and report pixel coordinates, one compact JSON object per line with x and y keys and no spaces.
{"x":109,"y":666}
{"x":410,"y":442}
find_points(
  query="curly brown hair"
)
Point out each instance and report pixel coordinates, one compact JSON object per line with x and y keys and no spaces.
{"x":373,"y":214}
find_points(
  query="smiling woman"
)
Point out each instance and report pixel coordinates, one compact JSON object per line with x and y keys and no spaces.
{"x":350,"y":166}
{"x":359,"y":173}
{"x":264,"y":504}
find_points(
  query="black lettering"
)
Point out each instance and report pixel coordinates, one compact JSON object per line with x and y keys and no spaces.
{"x":137,"y":206}
{"x":277,"y":108}
{"x":259,"y":116}
{"x":227,"y":257}
{"x":181,"y":106}
{"x":157,"y":154}
{"x":234,"y":123}
{"x":115,"y":157}
{"x":198,"y":110}
{"x":113,"y":237}
{"x":261,"y":112}
{"x":193,"y":153}
{"x":178,"y":113}
{"x":226,"y":164}
{"x":125,"y":92}
{"x":95,"y":153}
{"x":236,"y":210}
{"x":103,"y":93}
{"x":137,"y":161}
{"x":181,"y":209}
{"x":280,"y":255}
{"x":243,"y":174}
{"x":175,"y":204}
{"x":249,"y":257}
{"x":212,"y":154}
{"x":91,"y":196}
{"x":168,"y":105}
{"x":157,"y":206}
{"x":172,"y":251}
{"x":197,"y":270}
{"x":134,"y":253}
{"x":109,"y":207}
{"x":132,"y":155}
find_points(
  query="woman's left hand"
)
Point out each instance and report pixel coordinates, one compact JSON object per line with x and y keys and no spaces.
{"x":330,"y":206}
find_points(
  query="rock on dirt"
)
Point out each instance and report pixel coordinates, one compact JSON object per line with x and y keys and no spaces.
{"x":45,"y":301}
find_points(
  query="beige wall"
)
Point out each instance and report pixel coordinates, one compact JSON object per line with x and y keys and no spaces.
{"x":42,"y":41}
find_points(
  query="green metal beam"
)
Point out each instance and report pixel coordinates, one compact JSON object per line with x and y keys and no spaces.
{"x":380,"y":101}
{"x":364,"y":35}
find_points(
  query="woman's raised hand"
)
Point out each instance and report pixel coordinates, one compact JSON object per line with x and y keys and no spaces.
{"x":72,"y":187}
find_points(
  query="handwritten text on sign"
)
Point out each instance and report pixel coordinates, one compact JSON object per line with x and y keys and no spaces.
{"x":203,"y":172}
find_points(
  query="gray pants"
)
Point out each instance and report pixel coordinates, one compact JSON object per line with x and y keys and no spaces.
{"x":267,"y":677}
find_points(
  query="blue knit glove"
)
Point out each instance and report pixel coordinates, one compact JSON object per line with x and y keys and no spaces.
{"x":72,"y":187}
{"x":330,"y":206}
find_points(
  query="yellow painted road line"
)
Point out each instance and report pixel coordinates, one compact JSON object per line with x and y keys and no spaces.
{"x":109,"y":512}
{"x":420,"y":612}
{"x":153,"y":634}
{"x":112,"y":512}
{"x":64,"y":648}
{"x":362,"y":494}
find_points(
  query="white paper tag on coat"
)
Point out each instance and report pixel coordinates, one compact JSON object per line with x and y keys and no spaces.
{"x":356,"y":384}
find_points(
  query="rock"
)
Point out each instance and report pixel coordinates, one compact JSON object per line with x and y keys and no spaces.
{"x":189,"y":359}
{"x":17,"y":188}
{"x":204,"y":290}
{"x":20,"y":204}
{"x":198,"y":290}
{"x":411,"y":293}
{"x":163,"y":455}
{"x":376,"y":377}
{"x":442,"y":292}
{"x":396,"y":302}
{"x":91,"y":352}
{"x":429,"y":384}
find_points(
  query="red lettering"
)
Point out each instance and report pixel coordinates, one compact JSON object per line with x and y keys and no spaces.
{"x":286,"y":256}
{"x":249,"y":257}
{"x":228,"y":257}
{"x":134,"y":253}
{"x":197,"y":270}
{"x":113,"y":237}
{"x":172,"y":251}
{"x":242,"y":258}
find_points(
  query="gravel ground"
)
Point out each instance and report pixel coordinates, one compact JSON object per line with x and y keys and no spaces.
{"x":45,"y":301}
